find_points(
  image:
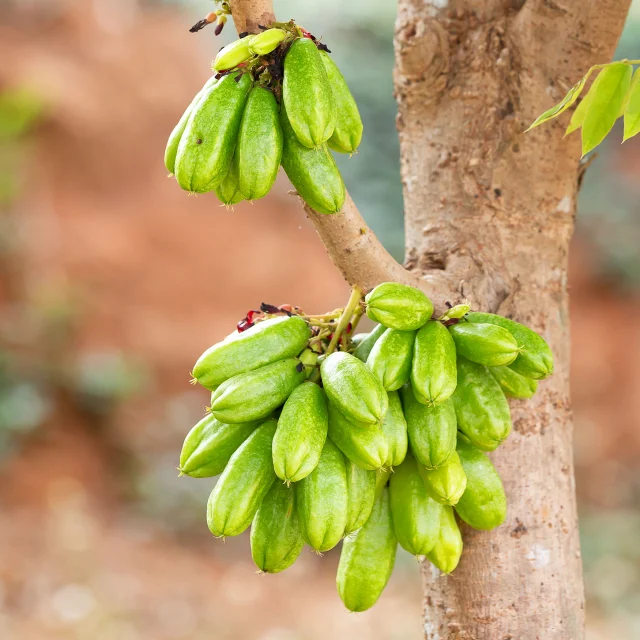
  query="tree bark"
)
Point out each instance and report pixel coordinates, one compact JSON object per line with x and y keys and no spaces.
{"x":490,"y":211}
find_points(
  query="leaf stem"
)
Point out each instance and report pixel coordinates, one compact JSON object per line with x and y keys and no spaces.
{"x":345,"y":318}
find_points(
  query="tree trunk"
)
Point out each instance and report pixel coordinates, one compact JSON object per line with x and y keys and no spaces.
{"x":491,"y":210}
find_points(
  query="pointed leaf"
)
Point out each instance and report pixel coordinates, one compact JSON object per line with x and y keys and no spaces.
{"x":609,"y":91}
{"x":563,"y":105}
{"x":632,"y":111}
{"x":578,"y":116}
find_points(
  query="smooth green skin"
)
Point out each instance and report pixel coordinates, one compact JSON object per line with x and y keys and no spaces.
{"x":362,"y":494}
{"x":313,"y":172}
{"x":323,"y":500}
{"x":363,"y":349}
{"x":432,"y":430}
{"x":433,"y":369}
{"x":358,"y":338}
{"x":174,"y":137}
{"x":484,"y":343}
{"x":228,"y":191}
{"x":513,"y":384}
{"x":233,"y":54}
{"x":351,"y":386}
{"x":367,"y":558}
{"x":364,"y":445}
{"x":201,"y":167}
{"x":243,"y":484}
{"x":309,"y":359}
{"x":390,"y":358}
{"x":535,"y":359}
{"x":265,"y":42}
{"x":483,"y":505}
{"x":347,"y":134}
{"x":264,"y":343}
{"x":307,"y":94}
{"x":301,"y":434}
{"x":398,"y":306}
{"x":276,"y":533}
{"x":394,"y":427}
{"x":416,"y":517}
{"x":209,"y":446}
{"x":481,"y":408}
{"x":447,"y":483}
{"x":259,"y":148}
{"x":448,"y":548}
{"x":254,"y":395}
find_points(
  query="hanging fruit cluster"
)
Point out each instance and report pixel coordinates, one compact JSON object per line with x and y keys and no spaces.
{"x":277,"y":98}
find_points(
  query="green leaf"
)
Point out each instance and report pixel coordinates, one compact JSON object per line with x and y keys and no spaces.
{"x":578,"y":116}
{"x":609,"y":92}
{"x":632,"y":110}
{"x":563,"y":105}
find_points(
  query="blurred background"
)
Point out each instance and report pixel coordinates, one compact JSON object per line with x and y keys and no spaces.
{"x":113,"y":281}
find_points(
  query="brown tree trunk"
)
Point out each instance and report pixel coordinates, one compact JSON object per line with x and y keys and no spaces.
{"x":491,"y":210}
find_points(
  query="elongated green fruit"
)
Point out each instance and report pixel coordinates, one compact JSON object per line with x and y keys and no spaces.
{"x":484,"y":343}
{"x":513,"y":384}
{"x":362,"y":493}
{"x":391,"y":356}
{"x":276,"y":534}
{"x":209,"y":139}
{"x":364,"y":445}
{"x":363,"y":349}
{"x":259,"y":148}
{"x":481,"y":408}
{"x":228,"y":191}
{"x":367,"y":558}
{"x":233,"y":54}
{"x":535,"y":359}
{"x":433,"y":370}
{"x":301,"y":434}
{"x":432,"y":430}
{"x":398,"y":306}
{"x":394,"y":427}
{"x":483,"y":505}
{"x":447,"y":483}
{"x":307,"y":95}
{"x":309,"y":359}
{"x":266,"y":342}
{"x":209,"y":446}
{"x":416,"y":517}
{"x":448,"y":548}
{"x":323,"y":500}
{"x":313,"y":172}
{"x":347,"y":134}
{"x":357,"y":339}
{"x":243,"y":484}
{"x":354,"y":390}
{"x":254,"y":395}
{"x":266,"y":42}
{"x":175,"y":136}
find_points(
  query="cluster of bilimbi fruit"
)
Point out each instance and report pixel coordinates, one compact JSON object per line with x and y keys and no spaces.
{"x":376,"y":444}
{"x":277,"y":98}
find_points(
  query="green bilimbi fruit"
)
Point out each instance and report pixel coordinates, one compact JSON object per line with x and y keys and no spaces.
{"x":243,"y":484}
{"x":416,"y":517}
{"x":483,"y":505}
{"x":362,"y":493}
{"x":309,"y":358}
{"x":276,"y":534}
{"x":357,"y":339}
{"x":535,"y":359}
{"x":254,"y":395}
{"x":448,"y":548}
{"x":266,"y":42}
{"x":363,"y":348}
{"x":481,"y":408}
{"x":513,"y":384}
{"x":457,"y":312}
{"x":446,"y":483}
{"x":432,"y":429}
{"x":306,"y":94}
{"x":347,"y":134}
{"x":398,"y":306}
{"x":209,"y":139}
{"x":228,"y":191}
{"x":323,"y":500}
{"x":390,"y":358}
{"x":264,"y":343}
{"x":233,"y":54}
{"x":484,"y":343}
{"x":301,"y":434}
{"x":209,"y":446}
{"x":394,"y":427}
{"x":175,"y":136}
{"x":364,"y":445}
{"x":355,"y":391}
{"x":259,"y":147}
{"x":433,"y":370}
{"x":367,"y":558}
{"x":313,"y":172}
